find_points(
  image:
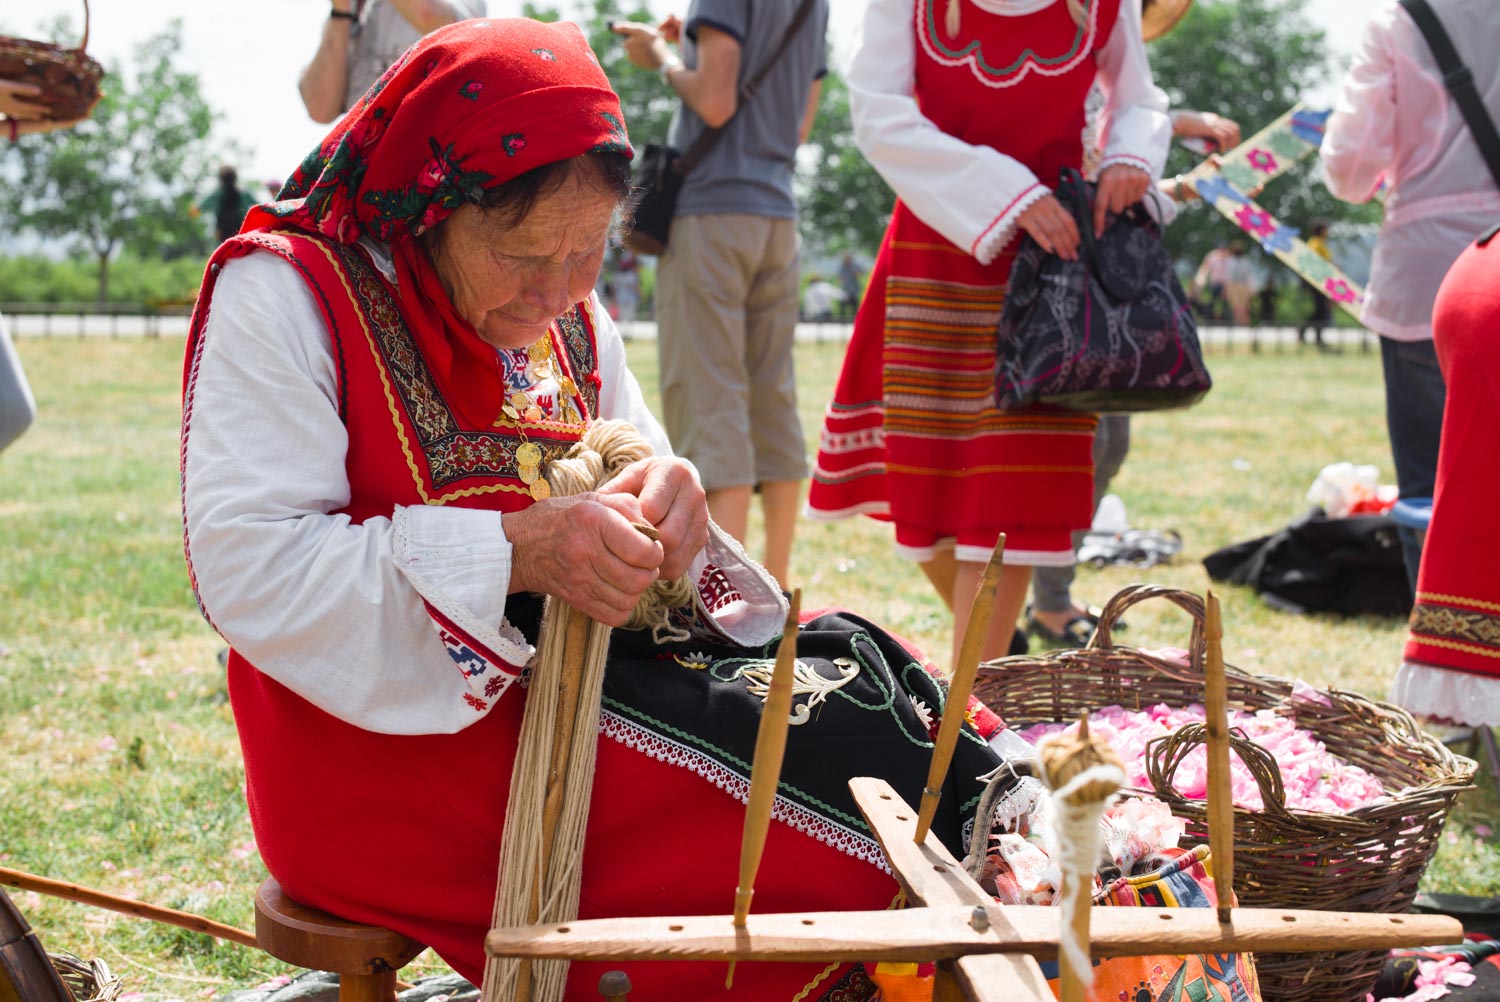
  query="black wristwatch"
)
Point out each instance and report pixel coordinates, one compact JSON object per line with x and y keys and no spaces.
{"x":343,"y":15}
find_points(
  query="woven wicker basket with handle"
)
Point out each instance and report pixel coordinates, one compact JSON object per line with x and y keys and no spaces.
{"x":69,"y":78}
{"x":1369,"y":859}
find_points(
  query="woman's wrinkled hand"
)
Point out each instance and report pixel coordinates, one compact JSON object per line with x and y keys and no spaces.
{"x":584,"y":550}
{"x":1120,"y":187}
{"x":1051,"y":226}
{"x":672,"y":500}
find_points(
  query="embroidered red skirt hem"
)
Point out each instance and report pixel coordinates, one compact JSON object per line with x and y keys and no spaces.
{"x":913,"y":436}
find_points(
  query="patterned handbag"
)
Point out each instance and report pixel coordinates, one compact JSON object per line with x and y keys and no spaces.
{"x":1111,"y":331}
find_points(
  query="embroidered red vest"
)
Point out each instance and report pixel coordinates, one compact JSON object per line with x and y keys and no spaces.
{"x":1013,"y":83}
{"x":407,"y":445}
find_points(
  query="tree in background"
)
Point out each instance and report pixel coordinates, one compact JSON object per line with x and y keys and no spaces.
{"x":1249,"y":60}
{"x":129,"y":177}
{"x":845,"y":202}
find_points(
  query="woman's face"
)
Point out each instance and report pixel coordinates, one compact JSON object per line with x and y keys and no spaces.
{"x":511,"y":280}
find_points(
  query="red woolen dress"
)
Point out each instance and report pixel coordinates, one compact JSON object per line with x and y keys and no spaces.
{"x":970,"y":129}
{"x":1451,"y":668}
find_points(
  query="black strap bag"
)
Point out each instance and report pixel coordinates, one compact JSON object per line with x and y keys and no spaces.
{"x":1111,"y":331}
{"x":661,"y":170}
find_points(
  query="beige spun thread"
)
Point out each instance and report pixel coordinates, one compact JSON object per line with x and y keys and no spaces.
{"x":606,"y":448}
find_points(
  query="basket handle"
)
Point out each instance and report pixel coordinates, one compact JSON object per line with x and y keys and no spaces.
{"x":1165,"y":755}
{"x":1135,"y":594}
{"x":84,"y":44}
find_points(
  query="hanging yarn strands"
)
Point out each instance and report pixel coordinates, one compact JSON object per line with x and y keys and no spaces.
{"x":541,"y":850}
{"x":1083,"y":773}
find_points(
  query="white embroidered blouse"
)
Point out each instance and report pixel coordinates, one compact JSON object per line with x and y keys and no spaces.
{"x":973,"y":195}
{"x":333,"y":610}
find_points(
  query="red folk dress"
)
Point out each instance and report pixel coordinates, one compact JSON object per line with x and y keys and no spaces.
{"x":1451,"y":668}
{"x":913,"y":435}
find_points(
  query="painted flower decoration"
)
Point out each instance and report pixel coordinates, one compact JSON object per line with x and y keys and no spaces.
{"x":697,"y":660}
{"x":1213,"y":188}
{"x":514,"y":143}
{"x":471,"y":89}
{"x":1262,"y":160}
{"x":1340,"y":291}
{"x":1281,"y":239}
{"x":1256,"y":221}
{"x":546,"y":54}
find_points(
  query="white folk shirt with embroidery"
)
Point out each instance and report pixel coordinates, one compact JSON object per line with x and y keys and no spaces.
{"x":333,"y":610}
{"x":960,"y":190}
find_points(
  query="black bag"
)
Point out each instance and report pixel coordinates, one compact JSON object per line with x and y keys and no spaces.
{"x":653,"y":199}
{"x":1111,"y":331}
{"x":660,"y":172}
{"x":1318,"y":564}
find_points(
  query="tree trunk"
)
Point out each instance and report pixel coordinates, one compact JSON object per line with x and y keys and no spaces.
{"x":103,"y":296}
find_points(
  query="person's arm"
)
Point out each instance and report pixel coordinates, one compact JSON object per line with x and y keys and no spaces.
{"x":21,"y":116}
{"x":430,"y":15}
{"x":810,"y":113}
{"x":1359,"y":142}
{"x":710,"y":89}
{"x":325,"y":81}
{"x":1134,"y":124}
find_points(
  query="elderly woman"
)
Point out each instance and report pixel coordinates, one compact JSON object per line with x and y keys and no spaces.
{"x":380,"y":364}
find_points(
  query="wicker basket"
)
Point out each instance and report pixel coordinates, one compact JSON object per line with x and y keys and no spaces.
{"x":1369,"y":860}
{"x":69,"y":78}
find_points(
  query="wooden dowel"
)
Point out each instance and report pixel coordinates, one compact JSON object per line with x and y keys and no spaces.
{"x":98,"y":899}
{"x":1220,"y":792}
{"x":765,"y":769}
{"x":962,"y":684}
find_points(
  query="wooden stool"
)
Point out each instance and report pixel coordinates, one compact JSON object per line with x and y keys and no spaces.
{"x":365,"y":957}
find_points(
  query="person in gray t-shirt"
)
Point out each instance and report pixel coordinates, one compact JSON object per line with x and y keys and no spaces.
{"x":361,"y":39}
{"x":727,"y":286}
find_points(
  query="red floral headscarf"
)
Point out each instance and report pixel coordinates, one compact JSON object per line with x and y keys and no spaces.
{"x":466,"y":109}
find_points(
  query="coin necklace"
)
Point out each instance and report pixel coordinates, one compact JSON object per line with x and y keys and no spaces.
{"x":521,"y":408}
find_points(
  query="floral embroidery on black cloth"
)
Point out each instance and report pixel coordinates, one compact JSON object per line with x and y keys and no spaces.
{"x":856,"y":715}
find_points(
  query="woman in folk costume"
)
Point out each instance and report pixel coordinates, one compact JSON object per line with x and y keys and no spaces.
{"x":970,"y":108}
{"x":1451,"y":669}
{"x":380,"y":364}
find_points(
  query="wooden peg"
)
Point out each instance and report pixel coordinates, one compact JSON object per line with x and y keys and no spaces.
{"x":765,"y":769}
{"x":959,"y":688}
{"x":1220,"y":793}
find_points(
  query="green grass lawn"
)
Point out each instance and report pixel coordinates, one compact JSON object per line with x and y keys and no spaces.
{"x":119,"y":766}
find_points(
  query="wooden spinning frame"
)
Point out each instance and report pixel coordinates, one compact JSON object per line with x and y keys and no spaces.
{"x":984,"y":952}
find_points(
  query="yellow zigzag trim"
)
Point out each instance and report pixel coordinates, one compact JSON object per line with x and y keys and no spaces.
{"x":1427,"y":596}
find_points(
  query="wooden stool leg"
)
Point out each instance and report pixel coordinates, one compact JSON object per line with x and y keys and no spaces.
{"x":367,"y":987}
{"x":615,"y":986}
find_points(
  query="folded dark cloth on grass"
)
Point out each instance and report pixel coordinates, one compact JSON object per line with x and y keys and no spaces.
{"x":1319,"y":564}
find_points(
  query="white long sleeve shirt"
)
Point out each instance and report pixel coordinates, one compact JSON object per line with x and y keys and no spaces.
{"x":337,"y":612}
{"x":973,"y":195}
{"x":1394,"y":121}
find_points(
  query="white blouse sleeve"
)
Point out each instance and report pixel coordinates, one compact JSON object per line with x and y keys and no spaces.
{"x":619,"y":394}
{"x":972,"y":195}
{"x":1359,"y":143}
{"x":1134,"y":122}
{"x":394,"y":624}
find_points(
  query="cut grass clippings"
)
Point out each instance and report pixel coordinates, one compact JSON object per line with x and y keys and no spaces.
{"x":119,"y":765}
